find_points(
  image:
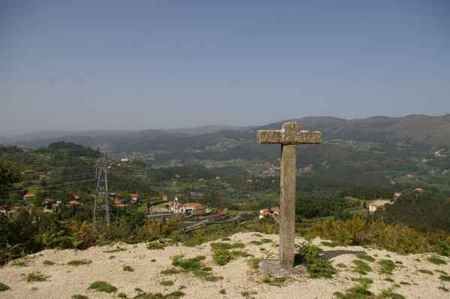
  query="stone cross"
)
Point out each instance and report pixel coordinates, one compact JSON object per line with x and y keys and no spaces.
{"x":289,"y":136}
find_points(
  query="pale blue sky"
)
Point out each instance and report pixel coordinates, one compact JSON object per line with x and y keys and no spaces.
{"x":79,"y":65}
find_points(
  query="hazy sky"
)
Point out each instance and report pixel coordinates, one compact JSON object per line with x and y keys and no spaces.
{"x":78,"y":65}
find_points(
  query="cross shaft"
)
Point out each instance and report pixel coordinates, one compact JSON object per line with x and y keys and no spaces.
{"x":289,"y":136}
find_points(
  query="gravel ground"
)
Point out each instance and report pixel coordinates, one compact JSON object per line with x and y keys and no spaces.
{"x":239,"y":280}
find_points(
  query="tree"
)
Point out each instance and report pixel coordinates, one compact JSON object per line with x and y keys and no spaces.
{"x":9,"y":175}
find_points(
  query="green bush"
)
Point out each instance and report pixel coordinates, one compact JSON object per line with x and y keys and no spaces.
{"x":79,"y":262}
{"x":367,"y":232}
{"x":361,"y":267}
{"x":4,"y":287}
{"x":436,"y":260}
{"x":194,"y":266}
{"x":102,"y":286}
{"x":36,"y":277}
{"x":316,"y":265}
{"x":387,"y":266}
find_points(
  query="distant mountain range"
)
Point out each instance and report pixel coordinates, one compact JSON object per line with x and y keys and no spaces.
{"x":421,"y":130}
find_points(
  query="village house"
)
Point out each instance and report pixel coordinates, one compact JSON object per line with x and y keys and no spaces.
{"x":118,"y":202}
{"x":73,"y":200}
{"x":270,"y":212}
{"x":397,"y":195}
{"x":134,"y":198}
{"x":188,"y":209}
{"x":378,"y":205}
{"x":4,"y":210}
{"x":29,"y":195}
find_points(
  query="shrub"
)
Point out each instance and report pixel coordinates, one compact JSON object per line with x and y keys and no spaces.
{"x":4,"y":287}
{"x":117,"y":249}
{"x":194,"y":266}
{"x":227,"y":246}
{"x":261,"y":242}
{"x":156,"y":245}
{"x":77,"y":263}
{"x":368,"y":232}
{"x":253,"y":263}
{"x":366,"y":257}
{"x":387,"y":266}
{"x":274,"y":281}
{"x":37,"y":277}
{"x":443,"y":247}
{"x":361,"y":267}
{"x":436,"y":260}
{"x":20,"y":263}
{"x":171,"y":271}
{"x":128,"y":269}
{"x":222,"y":253}
{"x":317,"y":266}
{"x":424,"y":271}
{"x":102,"y":286}
{"x":222,"y":256}
{"x":389,"y":294}
{"x":173,"y":295}
{"x":167,"y":283}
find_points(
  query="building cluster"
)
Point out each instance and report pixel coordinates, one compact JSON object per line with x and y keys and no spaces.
{"x":120,"y":201}
{"x":381,"y":204}
{"x":187,"y":209}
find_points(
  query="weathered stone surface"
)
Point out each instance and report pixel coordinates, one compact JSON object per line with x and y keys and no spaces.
{"x":307,"y":137}
{"x":289,"y":136}
{"x":291,"y":133}
{"x":288,"y":182}
{"x":269,"y":137}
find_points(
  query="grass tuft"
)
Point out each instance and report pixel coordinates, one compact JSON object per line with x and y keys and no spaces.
{"x":253,"y":263}
{"x":434,"y":259}
{"x":389,"y":294}
{"x":366,"y":257}
{"x":171,"y":271}
{"x":102,"y":286}
{"x":128,"y":269}
{"x":194,"y":266}
{"x":361,"y":267}
{"x":274,"y":281}
{"x":167,"y":283}
{"x":173,"y":295}
{"x":77,"y":263}
{"x":4,"y":287}
{"x":156,"y":245}
{"x":316,"y":265}
{"x":387,"y":266}
{"x":424,"y":271}
{"x":37,"y":277}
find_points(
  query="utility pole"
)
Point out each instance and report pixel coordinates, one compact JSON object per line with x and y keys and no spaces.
{"x":102,"y":189}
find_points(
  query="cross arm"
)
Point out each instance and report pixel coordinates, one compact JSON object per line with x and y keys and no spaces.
{"x":308,"y":137}
{"x":269,"y":136}
{"x":278,"y":137}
